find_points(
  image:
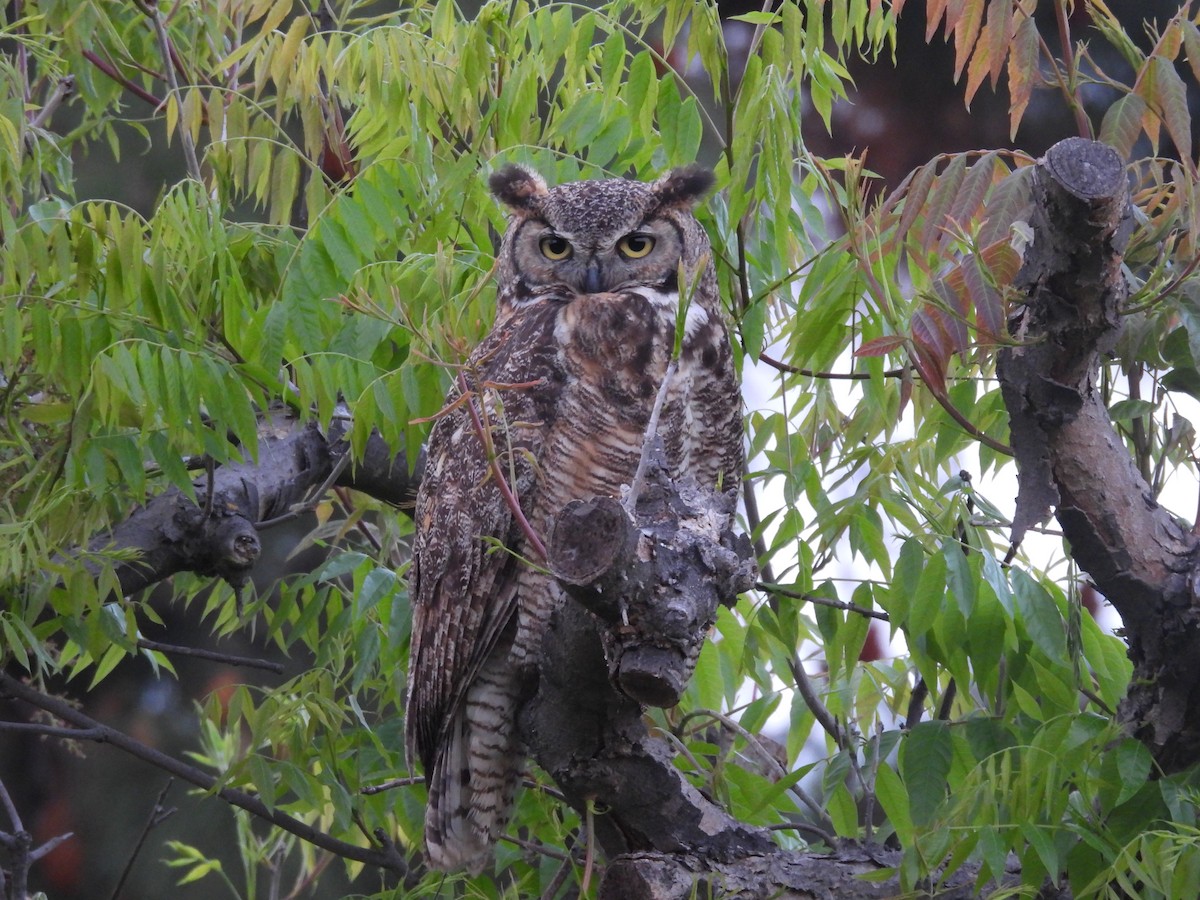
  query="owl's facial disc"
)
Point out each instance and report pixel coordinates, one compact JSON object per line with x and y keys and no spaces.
{"x":637,"y":254}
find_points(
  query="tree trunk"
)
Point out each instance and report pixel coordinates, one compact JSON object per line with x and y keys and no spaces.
{"x":1071,"y":458}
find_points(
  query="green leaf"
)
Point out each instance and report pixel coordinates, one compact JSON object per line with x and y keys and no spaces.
{"x":925,"y":757}
{"x":843,"y":812}
{"x":1040,"y":614}
{"x":892,"y":796}
{"x":928,"y":598}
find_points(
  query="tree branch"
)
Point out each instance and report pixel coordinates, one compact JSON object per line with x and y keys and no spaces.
{"x":296,"y":464}
{"x":1069,"y":455}
{"x":384,"y":857}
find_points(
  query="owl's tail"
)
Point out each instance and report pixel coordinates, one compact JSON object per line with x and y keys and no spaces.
{"x":475,"y":773}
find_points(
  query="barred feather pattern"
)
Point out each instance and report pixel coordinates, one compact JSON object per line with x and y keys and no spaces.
{"x":563,"y":387}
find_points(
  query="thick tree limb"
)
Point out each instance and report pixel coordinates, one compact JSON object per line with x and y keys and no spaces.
{"x":646,"y":592}
{"x":295,"y":462}
{"x":1070,"y":457}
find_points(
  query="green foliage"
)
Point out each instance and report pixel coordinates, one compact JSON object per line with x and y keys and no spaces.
{"x":339,"y":250}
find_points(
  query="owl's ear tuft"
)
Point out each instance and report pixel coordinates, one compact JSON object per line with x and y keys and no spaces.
{"x":684,"y":186}
{"x":517,"y":187}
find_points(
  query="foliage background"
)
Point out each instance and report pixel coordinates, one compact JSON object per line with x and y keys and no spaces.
{"x":337,"y":221}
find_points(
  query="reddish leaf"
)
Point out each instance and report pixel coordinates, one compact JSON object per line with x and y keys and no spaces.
{"x":968,"y":201}
{"x":894,"y":198}
{"x":1008,"y":203}
{"x":966,"y":31}
{"x":1122,"y":124}
{"x":940,"y":200}
{"x":1172,"y":101}
{"x":930,"y":368}
{"x":992,"y":49}
{"x":906,"y":387}
{"x":880,"y":346}
{"x":933,"y":15}
{"x":989,"y":306}
{"x":1002,"y":261}
{"x":951,"y":318}
{"x":1000,"y":35}
{"x":952,"y":288}
{"x":1146,"y":88}
{"x":937,"y":335}
{"x":914,"y":202}
{"x":1169,"y":44}
{"x":1191,"y":43}
{"x":1022,"y":72}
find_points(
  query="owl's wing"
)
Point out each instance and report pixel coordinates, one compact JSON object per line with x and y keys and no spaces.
{"x":463,"y":584}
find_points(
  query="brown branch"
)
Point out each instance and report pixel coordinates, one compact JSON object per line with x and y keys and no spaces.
{"x":384,"y":857}
{"x":823,"y":601}
{"x":1070,"y":88}
{"x":164,"y":44}
{"x":62,"y":90}
{"x":296,"y":465}
{"x":212,"y":656}
{"x":1070,"y":458}
{"x":825,"y":376}
{"x":156,"y":817}
{"x":112,"y":72}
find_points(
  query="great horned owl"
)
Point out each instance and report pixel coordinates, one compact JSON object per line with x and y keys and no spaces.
{"x":559,"y":394}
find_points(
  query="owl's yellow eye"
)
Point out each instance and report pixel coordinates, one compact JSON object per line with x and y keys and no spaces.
{"x":555,"y":247}
{"x":635,"y":246}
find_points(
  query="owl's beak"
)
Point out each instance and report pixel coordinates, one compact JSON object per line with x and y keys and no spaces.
{"x":591,"y":278}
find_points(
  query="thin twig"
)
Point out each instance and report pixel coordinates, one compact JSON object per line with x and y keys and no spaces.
{"x":826,"y":837}
{"x":535,"y":847}
{"x":10,"y":808}
{"x":639,"y":475}
{"x":392,"y":783}
{"x":510,"y":499}
{"x":164,"y":44}
{"x":822,"y":601}
{"x":212,"y":655}
{"x":1070,"y":88}
{"x":410,"y":780}
{"x":62,"y":90}
{"x":157,"y":815}
{"x":314,"y":498}
{"x":818,"y":709}
{"x":50,"y":846}
{"x":112,"y":72}
{"x":56,"y":731}
{"x":386,"y":857}
{"x":825,"y":376}
{"x":559,"y":879}
{"x":801,"y":794}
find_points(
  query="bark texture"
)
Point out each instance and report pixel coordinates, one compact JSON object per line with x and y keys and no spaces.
{"x":1070,"y":456}
{"x":218,"y":533}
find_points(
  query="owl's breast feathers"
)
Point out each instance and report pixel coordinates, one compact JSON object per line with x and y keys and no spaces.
{"x":568,"y":387}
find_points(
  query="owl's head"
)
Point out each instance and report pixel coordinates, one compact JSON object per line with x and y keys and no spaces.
{"x":591,"y":236}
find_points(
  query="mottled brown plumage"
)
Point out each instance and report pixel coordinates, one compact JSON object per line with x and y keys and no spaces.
{"x":589,"y":285}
